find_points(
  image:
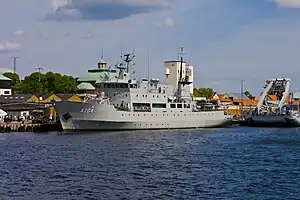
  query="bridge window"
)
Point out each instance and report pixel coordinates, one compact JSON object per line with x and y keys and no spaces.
{"x":159,"y":105}
{"x":179,"y":105}
{"x":187,"y":105}
{"x":173,"y":105}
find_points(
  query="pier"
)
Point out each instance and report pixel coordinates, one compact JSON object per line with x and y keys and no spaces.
{"x":29,"y":127}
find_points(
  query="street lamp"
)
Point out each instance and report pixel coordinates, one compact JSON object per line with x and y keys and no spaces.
{"x":39,"y":68}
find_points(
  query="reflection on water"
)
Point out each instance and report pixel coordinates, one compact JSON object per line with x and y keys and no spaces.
{"x":238,"y":163}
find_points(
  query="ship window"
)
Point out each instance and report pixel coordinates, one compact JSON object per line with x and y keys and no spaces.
{"x":173,"y":105}
{"x":159,"y":105}
{"x":153,"y":96}
{"x":179,"y":105}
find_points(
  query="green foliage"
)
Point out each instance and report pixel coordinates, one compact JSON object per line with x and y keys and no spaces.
{"x":38,"y":83}
{"x":248,"y":94}
{"x":203,"y":92}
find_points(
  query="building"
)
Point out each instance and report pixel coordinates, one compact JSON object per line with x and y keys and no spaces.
{"x":86,"y":88}
{"x":101,"y":72}
{"x":172,"y":72}
{"x":5,"y":85}
{"x":19,"y":105}
{"x":18,"y":99}
{"x":48,"y":98}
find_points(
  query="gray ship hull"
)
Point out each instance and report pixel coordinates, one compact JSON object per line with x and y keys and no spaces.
{"x":100,"y":117}
{"x":274,"y":121}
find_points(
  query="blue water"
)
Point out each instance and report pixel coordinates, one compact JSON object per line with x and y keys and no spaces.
{"x":236,"y":163}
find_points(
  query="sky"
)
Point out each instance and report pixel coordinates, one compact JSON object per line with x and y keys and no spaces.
{"x":225,"y":40}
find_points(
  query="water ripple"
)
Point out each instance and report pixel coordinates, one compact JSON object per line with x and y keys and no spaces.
{"x":238,"y":163}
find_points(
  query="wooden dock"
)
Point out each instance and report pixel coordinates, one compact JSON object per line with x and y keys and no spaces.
{"x":28,"y":127}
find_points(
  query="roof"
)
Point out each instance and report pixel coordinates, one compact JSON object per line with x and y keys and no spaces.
{"x":85,"y":86}
{"x":272,"y":97}
{"x":102,"y":61}
{"x":45,"y":96}
{"x":246,"y":102}
{"x":16,"y":98}
{"x":237,"y":95}
{"x":4,"y":78}
{"x":65,"y":96}
{"x":95,"y":76}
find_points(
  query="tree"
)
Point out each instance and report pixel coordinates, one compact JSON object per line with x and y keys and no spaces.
{"x":203,"y":92}
{"x":38,"y":83}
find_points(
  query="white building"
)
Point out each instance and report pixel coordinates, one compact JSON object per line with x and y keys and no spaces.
{"x":172,"y":68}
{"x":5,"y":85}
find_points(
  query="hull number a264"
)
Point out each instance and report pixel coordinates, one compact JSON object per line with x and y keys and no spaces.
{"x":87,"y":110}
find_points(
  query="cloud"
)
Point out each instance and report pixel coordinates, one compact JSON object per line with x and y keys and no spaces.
{"x":102,"y":9}
{"x":19,"y":32}
{"x":288,"y":3}
{"x":3,"y":70}
{"x":10,"y":47}
{"x":169,"y":21}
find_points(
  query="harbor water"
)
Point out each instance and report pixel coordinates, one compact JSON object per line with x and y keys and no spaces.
{"x":231,"y":163}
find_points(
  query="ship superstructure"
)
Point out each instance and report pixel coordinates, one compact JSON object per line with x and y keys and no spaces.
{"x":124,"y":103}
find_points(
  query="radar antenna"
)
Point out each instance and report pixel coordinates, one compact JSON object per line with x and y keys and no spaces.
{"x":129,"y":60}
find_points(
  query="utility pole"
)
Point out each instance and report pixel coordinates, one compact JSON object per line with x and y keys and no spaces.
{"x":39,"y":68}
{"x":15,"y":64}
{"x":242,"y":94}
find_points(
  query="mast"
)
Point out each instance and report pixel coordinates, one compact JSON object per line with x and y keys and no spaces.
{"x":179,"y":84}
